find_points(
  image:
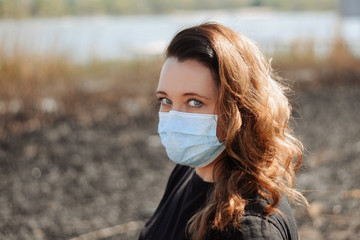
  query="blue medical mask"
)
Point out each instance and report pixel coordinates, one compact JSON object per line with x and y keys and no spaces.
{"x":190,"y":138}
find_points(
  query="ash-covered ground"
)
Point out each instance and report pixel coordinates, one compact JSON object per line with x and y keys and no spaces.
{"x":63,"y":175}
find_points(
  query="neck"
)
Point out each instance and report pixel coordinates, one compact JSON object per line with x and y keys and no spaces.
{"x":207,"y":173}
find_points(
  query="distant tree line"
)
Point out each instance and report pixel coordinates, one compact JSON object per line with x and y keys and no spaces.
{"x":52,"y":8}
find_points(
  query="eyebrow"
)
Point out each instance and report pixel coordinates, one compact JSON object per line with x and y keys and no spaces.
{"x":186,"y":94}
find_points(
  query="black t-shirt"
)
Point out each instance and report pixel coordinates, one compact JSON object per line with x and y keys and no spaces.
{"x":186,"y":193}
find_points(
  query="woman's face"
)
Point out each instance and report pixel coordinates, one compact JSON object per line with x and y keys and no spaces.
{"x":187,"y":87}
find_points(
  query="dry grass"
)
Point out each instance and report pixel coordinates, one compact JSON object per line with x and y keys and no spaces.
{"x":305,"y":68}
{"x":22,"y":73}
{"x":46,"y":86}
{"x":28,"y":76}
{"x":303,"y":54}
{"x":38,"y":89}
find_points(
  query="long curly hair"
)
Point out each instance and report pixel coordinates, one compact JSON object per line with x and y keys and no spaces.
{"x":262,"y":155}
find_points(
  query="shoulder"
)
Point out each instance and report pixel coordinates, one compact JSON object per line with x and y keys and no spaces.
{"x":257,"y":227}
{"x":283,"y":222}
{"x":251,"y":228}
{"x":255,"y":224}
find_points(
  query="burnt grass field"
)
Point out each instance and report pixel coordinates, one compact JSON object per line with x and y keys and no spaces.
{"x":84,"y":157}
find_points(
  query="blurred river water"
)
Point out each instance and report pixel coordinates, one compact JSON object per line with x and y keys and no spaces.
{"x":125,"y":37}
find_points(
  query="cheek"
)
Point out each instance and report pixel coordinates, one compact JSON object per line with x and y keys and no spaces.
{"x":164,"y":108}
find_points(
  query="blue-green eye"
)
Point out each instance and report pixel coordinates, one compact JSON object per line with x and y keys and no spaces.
{"x":195,"y":103}
{"x":164,"y":101}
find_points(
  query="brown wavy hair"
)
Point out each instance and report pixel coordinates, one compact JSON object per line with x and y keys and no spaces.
{"x":262,"y":155}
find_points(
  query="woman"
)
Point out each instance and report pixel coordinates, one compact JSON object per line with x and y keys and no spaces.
{"x":224,"y":120}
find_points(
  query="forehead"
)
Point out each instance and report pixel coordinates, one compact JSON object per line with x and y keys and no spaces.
{"x":187,"y":76}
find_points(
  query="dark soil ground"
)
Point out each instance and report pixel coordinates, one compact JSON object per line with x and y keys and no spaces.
{"x":63,"y":175}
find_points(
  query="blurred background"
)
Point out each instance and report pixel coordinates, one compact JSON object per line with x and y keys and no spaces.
{"x":79,"y":153}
